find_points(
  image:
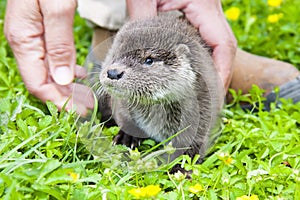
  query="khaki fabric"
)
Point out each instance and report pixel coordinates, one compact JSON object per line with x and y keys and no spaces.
{"x":109,"y":14}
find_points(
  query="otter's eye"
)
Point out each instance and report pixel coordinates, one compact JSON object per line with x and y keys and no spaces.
{"x":149,"y":61}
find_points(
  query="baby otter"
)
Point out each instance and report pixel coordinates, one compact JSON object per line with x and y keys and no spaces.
{"x":159,"y":79}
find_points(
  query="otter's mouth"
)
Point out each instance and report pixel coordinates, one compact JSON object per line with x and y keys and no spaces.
{"x":115,"y":91}
{"x":142,"y":95}
{"x":129,"y":95}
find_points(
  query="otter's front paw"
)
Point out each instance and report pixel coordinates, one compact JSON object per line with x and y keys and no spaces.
{"x":128,"y":140}
{"x":177,"y":168}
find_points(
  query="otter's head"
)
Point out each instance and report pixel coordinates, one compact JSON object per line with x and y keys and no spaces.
{"x":148,"y":65}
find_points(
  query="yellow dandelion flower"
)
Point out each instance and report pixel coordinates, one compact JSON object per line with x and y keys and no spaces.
{"x":196,"y":188}
{"x":274,"y":18}
{"x":274,"y":3}
{"x":244,"y":197}
{"x":148,"y":191}
{"x":233,"y":13}
{"x":74,"y":176}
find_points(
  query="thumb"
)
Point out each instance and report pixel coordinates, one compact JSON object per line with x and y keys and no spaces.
{"x":58,"y":17}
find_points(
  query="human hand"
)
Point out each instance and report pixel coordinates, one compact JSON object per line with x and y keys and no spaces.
{"x":40,"y":33}
{"x":208,"y":17}
{"x":141,"y":9}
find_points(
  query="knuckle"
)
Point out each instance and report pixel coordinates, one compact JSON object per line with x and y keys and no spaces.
{"x":12,"y":36}
{"x":63,"y":50}
{"x":232,"y":44}
{"x":34,"y":90}
{"x":16,"y":40}
{"x":233,"y":41}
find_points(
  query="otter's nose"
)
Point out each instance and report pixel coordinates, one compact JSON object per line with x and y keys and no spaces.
{"x":114,"y":74}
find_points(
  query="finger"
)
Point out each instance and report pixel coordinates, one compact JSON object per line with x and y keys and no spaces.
{"x":167,"y":5}
{"x":24,"y":32}
{"x":63,"y":97}
{"x":141,"y":9}
{"x":50,"y":92}
{"x":82,"y":95}
{"x":224,"y":49}
{"x":78,"y":93}
{"x":80,"y":72}
{"x":58,"y":17}
{"x":216,"y":32}
{"x":223,"y":56}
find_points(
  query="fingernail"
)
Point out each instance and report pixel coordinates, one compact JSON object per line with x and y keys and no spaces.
{"x":63,"y":75}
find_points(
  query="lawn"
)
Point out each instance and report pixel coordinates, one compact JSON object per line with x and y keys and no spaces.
{"x":46,"y":154}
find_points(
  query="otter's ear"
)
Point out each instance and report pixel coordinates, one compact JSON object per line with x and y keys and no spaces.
{"x":182,"y":49}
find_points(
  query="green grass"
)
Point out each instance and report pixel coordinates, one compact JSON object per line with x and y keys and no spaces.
{"x":45,"y":154}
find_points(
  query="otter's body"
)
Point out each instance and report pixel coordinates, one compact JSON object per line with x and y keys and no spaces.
{"x":160,"y":80}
